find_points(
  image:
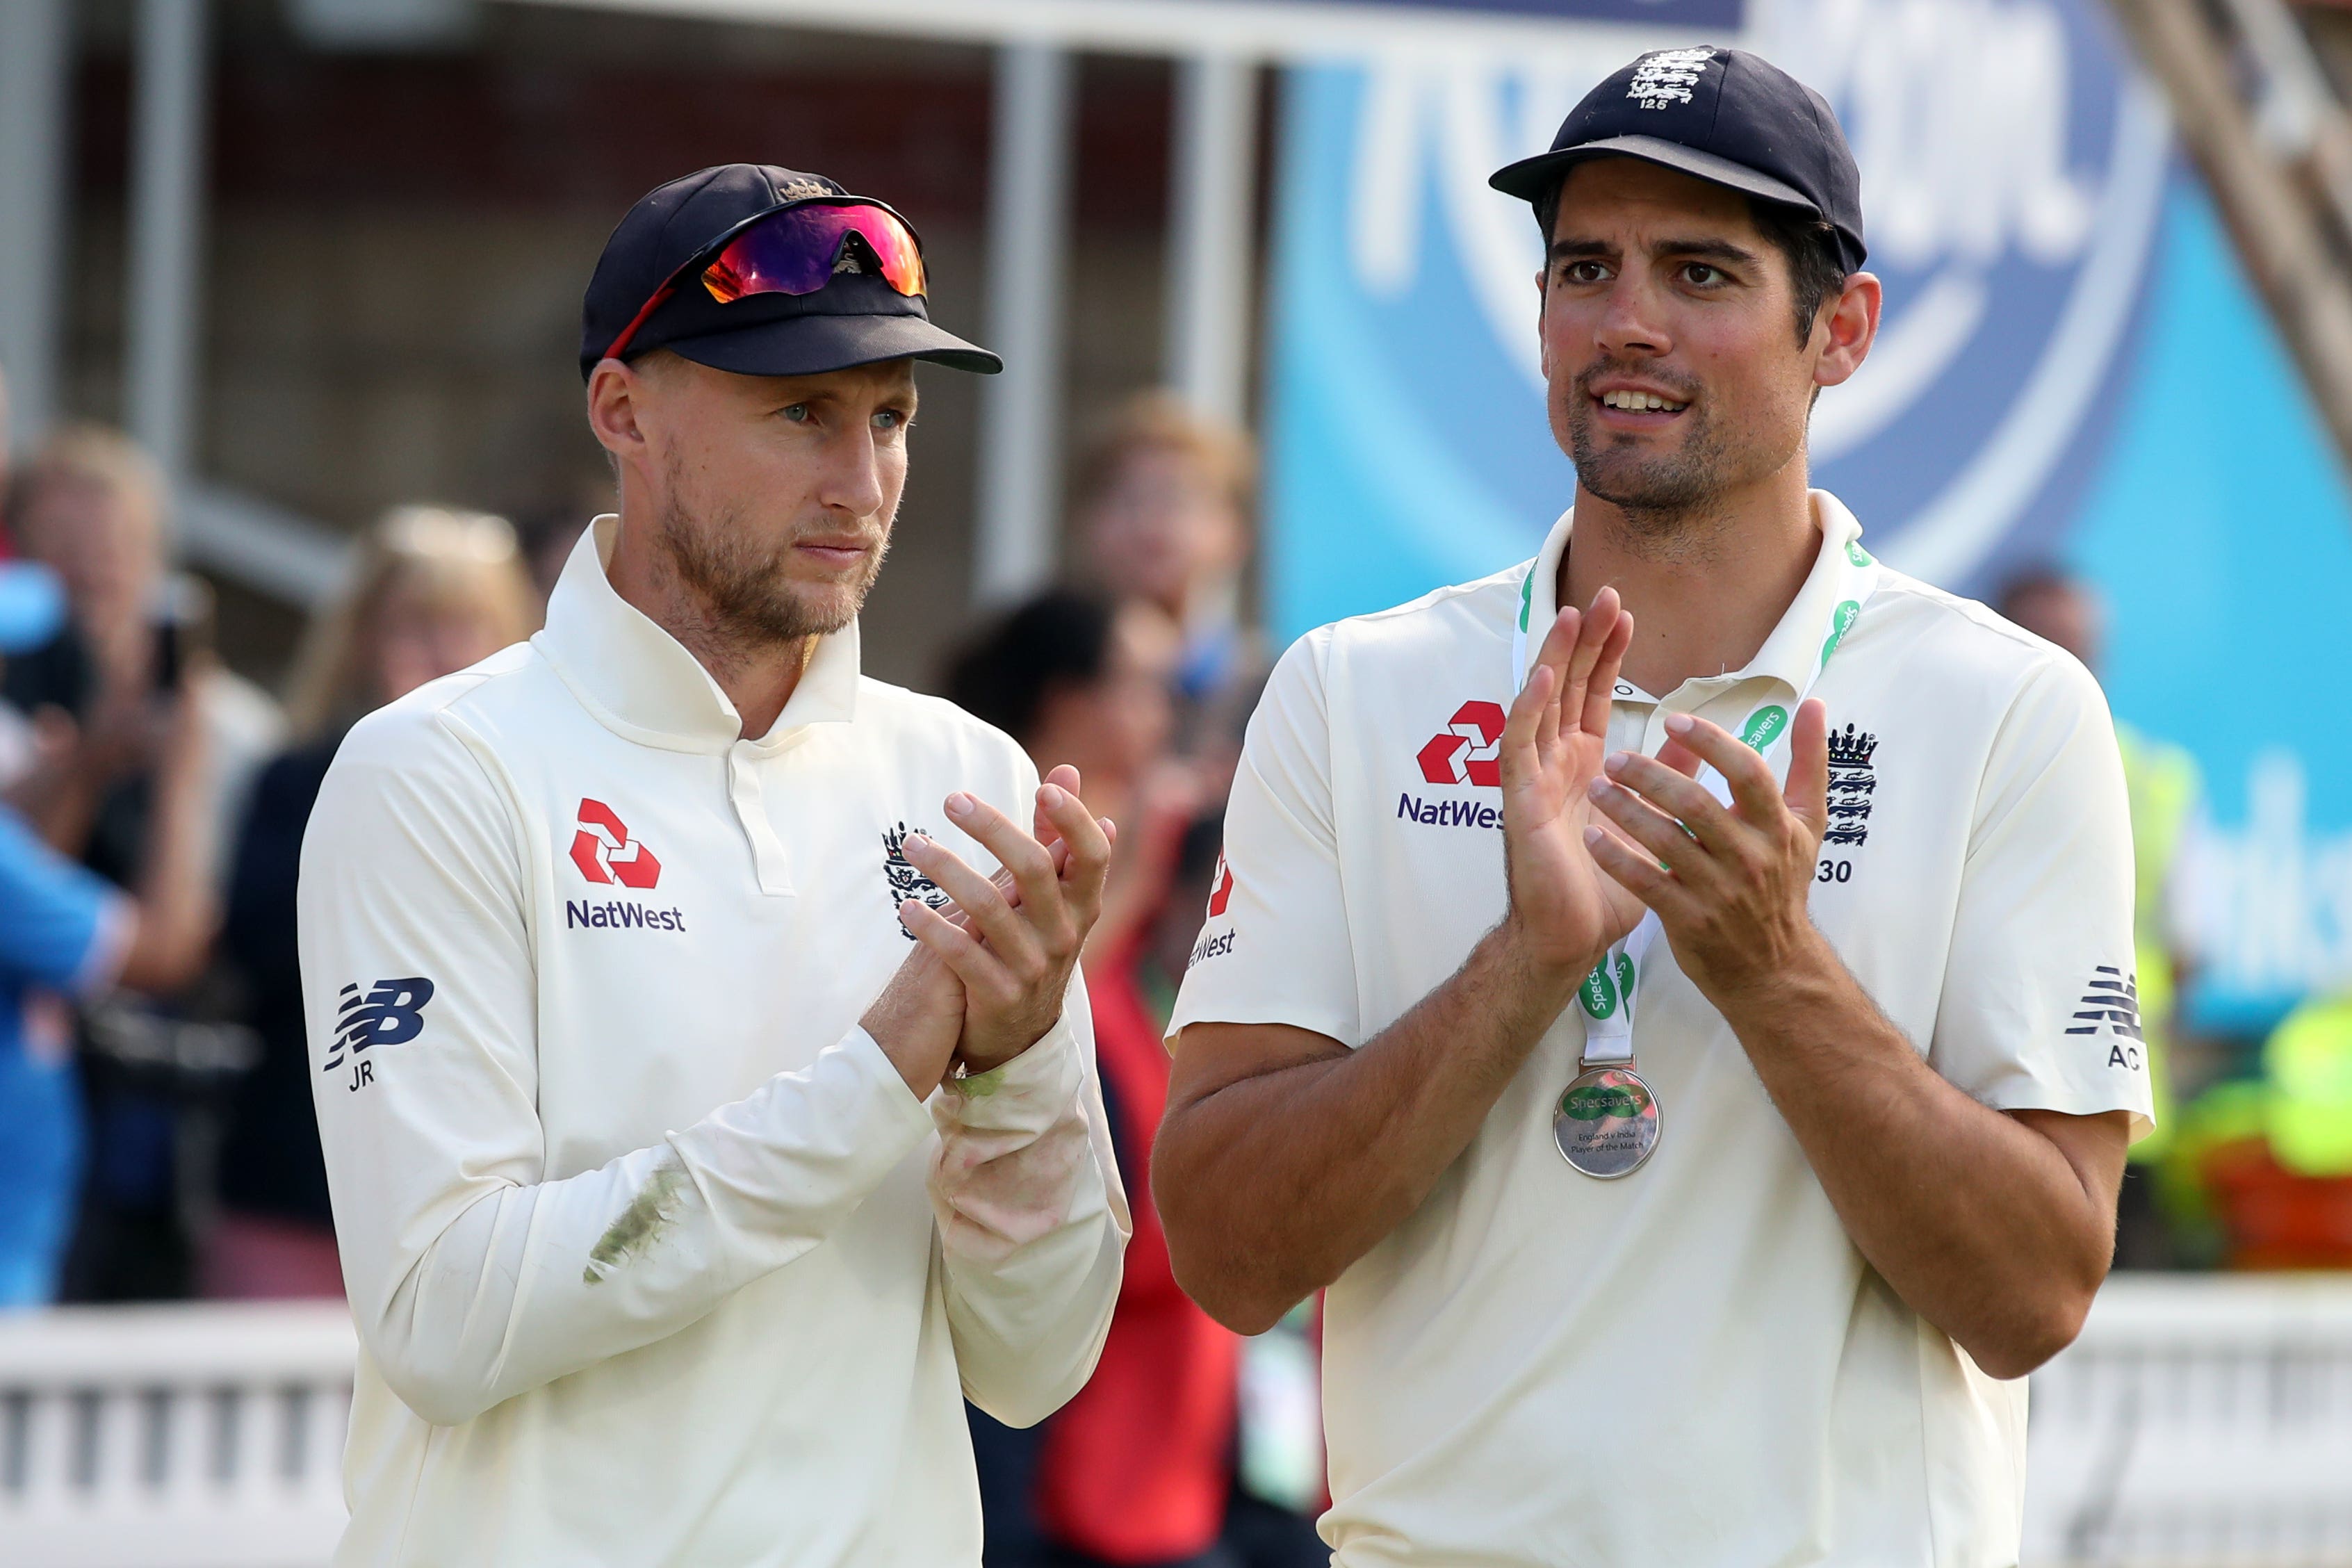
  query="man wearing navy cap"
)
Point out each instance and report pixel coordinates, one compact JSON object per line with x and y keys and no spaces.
{"x":1693,"y":1037}
{"x":703,"y":1127}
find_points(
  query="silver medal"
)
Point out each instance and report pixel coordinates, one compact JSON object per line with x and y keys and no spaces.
{"x":1607,"y":1122}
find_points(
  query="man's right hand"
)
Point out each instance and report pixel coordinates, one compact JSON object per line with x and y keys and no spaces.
{"x":918,"y":1019}
{"x":1564,"y":910}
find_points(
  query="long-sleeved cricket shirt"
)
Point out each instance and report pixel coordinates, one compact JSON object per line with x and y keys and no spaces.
{"x":655,"y":1258}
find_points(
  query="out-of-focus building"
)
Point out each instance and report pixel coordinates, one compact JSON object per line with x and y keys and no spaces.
{"x":326,"y":256}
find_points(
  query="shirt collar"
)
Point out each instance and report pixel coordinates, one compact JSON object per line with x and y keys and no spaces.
{"x":641,"y":682}
{"x":1794,"y":650}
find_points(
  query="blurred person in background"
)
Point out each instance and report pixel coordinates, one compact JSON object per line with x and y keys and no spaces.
{"x":94,"y":508}
{"x":434,"y":592}
{"x":1165,"y":504}
{"x":1139,"y":1470}
{"x":66,"y":934}
{"x":2166,"y":792}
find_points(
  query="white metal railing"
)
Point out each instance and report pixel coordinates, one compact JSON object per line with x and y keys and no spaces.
{"x":2199,"y":1420}
{"x":195,"y":1436}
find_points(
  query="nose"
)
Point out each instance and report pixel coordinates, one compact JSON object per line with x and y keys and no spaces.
{"x":1629,"y":326}
{"x":853,"y":481}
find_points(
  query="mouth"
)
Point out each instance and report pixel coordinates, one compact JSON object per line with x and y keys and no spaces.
{"x":834,"y":553}
{"x":1637,"y":408}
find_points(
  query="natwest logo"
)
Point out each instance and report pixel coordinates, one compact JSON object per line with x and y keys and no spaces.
{"x":606,"y":853}
{"x":1469,"y":750}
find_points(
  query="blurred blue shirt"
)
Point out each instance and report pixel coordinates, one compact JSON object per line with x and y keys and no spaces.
{"x":60,"y":936}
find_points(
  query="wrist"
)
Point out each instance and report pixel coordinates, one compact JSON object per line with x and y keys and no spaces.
{"x":1543,"y":972}
{"x":1794,"y":987}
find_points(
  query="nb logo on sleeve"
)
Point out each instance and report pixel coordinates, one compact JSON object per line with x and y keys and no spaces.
{"x":2112,"y":1004}
{"x":389,"y":1013}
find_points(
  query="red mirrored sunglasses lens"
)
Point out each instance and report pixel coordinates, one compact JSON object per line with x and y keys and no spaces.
{"x":794,"y":252}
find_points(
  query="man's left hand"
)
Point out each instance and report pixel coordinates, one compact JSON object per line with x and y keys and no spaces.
{"x":1016,"y":946}
{"x":1729,"y":883}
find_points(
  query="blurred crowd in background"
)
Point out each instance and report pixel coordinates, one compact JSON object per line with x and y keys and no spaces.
{"x":157,"y":1139}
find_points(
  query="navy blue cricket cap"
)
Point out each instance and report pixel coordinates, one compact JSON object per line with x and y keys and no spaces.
{"x":856,"y":319}
{"x":1724,"y":116}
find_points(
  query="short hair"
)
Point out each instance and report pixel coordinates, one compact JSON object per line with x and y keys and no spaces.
{"x":1807,"y":242}
{"x":1160,"y":421}
{"x":1060,"y":639}
{"x":92,"y":454}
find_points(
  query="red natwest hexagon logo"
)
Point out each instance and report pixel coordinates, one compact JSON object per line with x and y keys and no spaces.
{"x":1220,"y":888}
{"x":604,"y":852}
{"x":1469,"y":750}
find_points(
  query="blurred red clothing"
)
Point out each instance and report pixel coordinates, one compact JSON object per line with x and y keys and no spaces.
{"x":1137,"y":1466}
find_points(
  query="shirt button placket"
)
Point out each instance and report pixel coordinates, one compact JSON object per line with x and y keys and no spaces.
{"x":745,"y":793}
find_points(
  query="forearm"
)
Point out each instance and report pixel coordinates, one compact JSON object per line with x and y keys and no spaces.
{"x":526,"y":1283}
{"x":1032,"y":1228}
{"x":1979,"y":1223}
{"x":1270,"y":1187}
{"x":177,"y":909}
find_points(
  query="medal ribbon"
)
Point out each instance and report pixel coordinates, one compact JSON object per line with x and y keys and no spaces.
{"x":1607,"y":994}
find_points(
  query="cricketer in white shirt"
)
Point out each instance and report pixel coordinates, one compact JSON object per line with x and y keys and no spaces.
{"x":654,"y":1256}
{"x":1693,"y":1364}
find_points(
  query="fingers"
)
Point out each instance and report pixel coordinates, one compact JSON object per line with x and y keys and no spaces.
{"x":1592,"y":638}
{"x":1753,"y":788}
{"x":1666,"y":839}
{"x":980,"y":900}
{"x":1637,"y":874}
{"x":1062,"y":776}
{"x":1088,"y":838}
{"x":985,"y":978}
{"x":1602,"y":690}
{"x":1808,"y":794}
{"x":1016,"y":851}
{"x":1681,"y":798}
{"x":1559,"y":649}
{"x":1520,"y":753}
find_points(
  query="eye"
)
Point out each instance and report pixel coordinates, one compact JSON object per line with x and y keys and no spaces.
{"x":798,"y":412}
{"x":891,"y":419}
{"x":1699,"y":275}
{"x":1585,"y":271}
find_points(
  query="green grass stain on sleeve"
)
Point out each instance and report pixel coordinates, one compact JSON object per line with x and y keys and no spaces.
{"x":980,"y":1085}
{"x":640,"y":1224}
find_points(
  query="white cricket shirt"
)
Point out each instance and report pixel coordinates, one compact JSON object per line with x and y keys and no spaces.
{"x":1692,"y":1366}
{"x":654,"y":1258}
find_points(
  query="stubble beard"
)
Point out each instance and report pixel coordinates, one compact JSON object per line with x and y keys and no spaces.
{"x":747,"y":595}
{"x":1669,"y":500}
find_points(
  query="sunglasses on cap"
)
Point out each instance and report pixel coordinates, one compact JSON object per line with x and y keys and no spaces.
{"x":791,"y":249}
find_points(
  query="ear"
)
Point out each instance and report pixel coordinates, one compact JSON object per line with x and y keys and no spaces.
{"x":1852,"y":321}
{"x":616,"y":395}
{"x":1543,"y":298}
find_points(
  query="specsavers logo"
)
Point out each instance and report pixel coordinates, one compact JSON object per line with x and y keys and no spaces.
{"x":1469,"y":750}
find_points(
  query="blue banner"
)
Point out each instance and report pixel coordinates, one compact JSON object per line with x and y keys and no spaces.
{"x":2071,"y":368}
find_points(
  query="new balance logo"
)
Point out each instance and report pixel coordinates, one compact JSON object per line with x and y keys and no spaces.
{"x":1469,"y":750}
{"x":389,"y":1013}
{"x":2111,"y":1003}
{"x":606,"y":853}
